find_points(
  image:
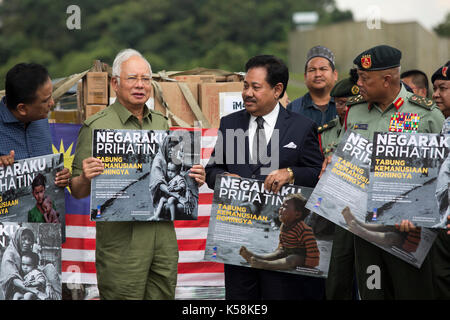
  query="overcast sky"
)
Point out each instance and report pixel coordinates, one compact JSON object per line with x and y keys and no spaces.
{"x":428,"y":13}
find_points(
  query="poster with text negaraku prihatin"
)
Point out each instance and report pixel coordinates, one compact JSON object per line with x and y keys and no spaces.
{"x":341,"y":196}
{"x":409,"y":176}
{"x":442,"y":203}
{"x":28,"y":192}
{"x":146,"y":175}
{"x":252,"y":227}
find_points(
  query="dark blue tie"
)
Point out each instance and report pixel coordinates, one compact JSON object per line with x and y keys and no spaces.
{"x":259,"y":141}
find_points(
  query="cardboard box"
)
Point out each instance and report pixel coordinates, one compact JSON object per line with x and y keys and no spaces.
{"x":64,"y":116}
{"x":195,"y":78}
{"x":175,"y":99}
{"x":91,"y":109}
{"x":209,"y":98}
{"x":233,"y":78}
{"x":96,"y":88}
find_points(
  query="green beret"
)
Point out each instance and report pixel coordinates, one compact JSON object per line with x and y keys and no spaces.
{"x":378,"y":58}
{"x":344,"y":88}
{"x":443,"y":73}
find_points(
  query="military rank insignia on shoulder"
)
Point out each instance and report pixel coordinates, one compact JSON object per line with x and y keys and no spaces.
{"x":328,"y":125}
{"x":421,"y":101}
{"x":355,"y":100}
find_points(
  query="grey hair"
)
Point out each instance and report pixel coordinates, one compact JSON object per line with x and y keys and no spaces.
{"x":123,"y":56}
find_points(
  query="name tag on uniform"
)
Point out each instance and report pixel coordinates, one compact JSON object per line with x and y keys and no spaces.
{"x":404,"y":122}
{"x":361,"y":126}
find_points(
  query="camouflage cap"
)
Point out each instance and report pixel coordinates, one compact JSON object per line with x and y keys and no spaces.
{"x":378,"y":58}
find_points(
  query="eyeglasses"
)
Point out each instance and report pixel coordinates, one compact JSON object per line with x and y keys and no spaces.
{"x":132,"y":80}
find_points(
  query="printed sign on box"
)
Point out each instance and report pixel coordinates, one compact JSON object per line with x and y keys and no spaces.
{"x":230,"y":102}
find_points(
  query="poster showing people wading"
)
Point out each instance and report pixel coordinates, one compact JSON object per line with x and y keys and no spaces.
{"x":146,"y":175}
{"x":409,"y":176}
{"x":341,"y":197}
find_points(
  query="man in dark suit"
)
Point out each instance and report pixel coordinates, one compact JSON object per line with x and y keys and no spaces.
{"x":267,"y":142}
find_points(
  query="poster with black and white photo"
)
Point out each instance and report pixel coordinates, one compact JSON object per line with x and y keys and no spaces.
{"x":446,"y":204}
{"x":146,"y":175}
{"x":341,"y":197}
{"x":28,"y":192}
{"x":254,"y":228}
{"x":30,"y":266}
{"x":409,"y":177}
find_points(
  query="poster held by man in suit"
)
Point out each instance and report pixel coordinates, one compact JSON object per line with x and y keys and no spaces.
{"x":254,"y":228}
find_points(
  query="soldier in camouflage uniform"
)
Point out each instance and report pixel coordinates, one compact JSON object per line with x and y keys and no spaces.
{"x":385,"y":105}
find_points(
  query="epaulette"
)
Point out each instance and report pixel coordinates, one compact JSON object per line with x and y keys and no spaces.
{"x":94,"y":117}
{"x":328,"y":125}
{"x":158,"y":113}
{"x":421,"y":101}
{"x":355,"y":100}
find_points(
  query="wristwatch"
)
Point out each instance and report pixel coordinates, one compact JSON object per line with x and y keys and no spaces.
{"x":291,"y":175}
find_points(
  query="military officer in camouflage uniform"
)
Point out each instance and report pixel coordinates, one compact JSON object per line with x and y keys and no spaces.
{"x":385,"y":105}
{"x":329,"y":133}
{"x":340,"y":284}
{"x":134,"y":260}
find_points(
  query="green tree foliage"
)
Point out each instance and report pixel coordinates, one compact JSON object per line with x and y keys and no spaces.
{"x":172,"y":34}
{"x":443,"y":29}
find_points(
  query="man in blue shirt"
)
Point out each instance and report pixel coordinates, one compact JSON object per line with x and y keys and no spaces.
{"x":320,"y":78}
{"x":24,"y":127}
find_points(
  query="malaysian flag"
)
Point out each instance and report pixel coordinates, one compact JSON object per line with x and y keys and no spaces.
{"x":78,"y":252}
